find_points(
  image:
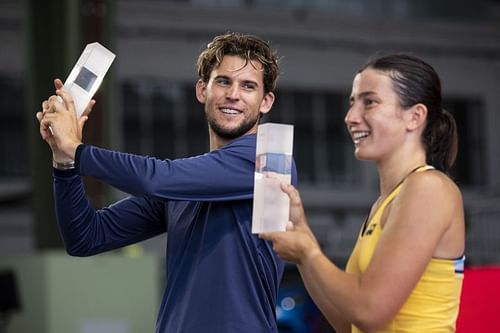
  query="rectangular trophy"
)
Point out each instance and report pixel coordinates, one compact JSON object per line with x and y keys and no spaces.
{"x":273,"y":166}
{"x":87,"y":75}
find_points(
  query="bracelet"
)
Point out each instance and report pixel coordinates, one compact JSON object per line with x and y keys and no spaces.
{"x":66,"y":165}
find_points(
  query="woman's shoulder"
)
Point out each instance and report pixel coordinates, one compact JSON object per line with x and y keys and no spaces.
{"x":430,"y":201}
{"x":432,"y":183}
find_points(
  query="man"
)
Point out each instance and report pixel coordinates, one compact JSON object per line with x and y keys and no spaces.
{"x":220,"y":278}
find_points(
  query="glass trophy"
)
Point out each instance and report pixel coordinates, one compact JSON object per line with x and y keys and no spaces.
{"x":273,"y":166}
{"x":87,"y":75}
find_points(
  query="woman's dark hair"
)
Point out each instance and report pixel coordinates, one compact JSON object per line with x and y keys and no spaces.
{"x":415,"y":81}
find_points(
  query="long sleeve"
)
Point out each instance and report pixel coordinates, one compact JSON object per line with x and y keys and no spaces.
{"x":87,"y":231}
{"x":222,"y":175}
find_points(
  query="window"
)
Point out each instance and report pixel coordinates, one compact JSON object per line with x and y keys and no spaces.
{"x":163,"y":119}
{"x":322,"y":147}
{"x":14,"y":162}
{"x":469,"y":166}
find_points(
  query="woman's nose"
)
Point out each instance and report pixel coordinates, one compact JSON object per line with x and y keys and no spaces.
{"x":350,"y":116}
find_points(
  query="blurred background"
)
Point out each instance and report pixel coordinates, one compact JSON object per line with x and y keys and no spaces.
{"x":147,"y":105}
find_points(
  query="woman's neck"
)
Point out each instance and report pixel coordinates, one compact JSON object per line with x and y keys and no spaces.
{"x":391,"y":174}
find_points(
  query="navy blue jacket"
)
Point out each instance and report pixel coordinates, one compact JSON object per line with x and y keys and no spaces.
{"x":219,"y":276}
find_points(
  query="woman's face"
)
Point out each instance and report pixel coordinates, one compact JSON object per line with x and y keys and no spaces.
{"x":375,"y":120}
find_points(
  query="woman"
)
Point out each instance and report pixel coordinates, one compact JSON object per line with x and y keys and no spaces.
{"x":405,"y":272}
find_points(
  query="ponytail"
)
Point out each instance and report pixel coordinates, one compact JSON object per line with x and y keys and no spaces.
{"x":440,"y":139}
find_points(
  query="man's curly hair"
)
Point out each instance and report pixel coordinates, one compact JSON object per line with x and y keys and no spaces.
{"x":248,"y":47}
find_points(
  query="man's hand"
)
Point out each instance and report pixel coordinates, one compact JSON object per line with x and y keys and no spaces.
{"x":59,"y":126}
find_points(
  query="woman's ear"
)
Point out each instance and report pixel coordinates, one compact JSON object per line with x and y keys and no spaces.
{"x":417,"y":117}
{"x":201,"y":89}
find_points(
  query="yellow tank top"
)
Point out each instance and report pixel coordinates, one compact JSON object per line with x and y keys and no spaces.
{"x":432,"y":307}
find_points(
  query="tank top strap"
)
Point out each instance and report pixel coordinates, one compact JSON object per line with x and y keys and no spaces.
{"x":396,"y":190}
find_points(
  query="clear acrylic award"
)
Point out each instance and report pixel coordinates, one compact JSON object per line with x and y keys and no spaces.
{"x":87,"y":75}
{"x":273,"y":166}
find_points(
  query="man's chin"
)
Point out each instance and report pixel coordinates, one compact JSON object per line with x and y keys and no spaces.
{"x":231,"y":133}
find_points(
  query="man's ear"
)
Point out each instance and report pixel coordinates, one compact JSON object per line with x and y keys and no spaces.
{"x":201,"y":90}
{"x":267,"y":103}
{"x":417,"y":116}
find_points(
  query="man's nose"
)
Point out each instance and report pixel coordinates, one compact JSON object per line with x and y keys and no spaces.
{"x":233,"y":92}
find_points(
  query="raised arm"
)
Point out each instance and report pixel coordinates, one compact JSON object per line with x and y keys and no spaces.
{"x":224,"y":174}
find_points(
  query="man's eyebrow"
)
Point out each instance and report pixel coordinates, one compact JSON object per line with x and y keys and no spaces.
{"x":226,"y":77}
{"x":251,"y":81}
{"x":221,"y":77}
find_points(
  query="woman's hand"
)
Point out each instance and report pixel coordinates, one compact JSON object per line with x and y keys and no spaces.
{"x":298,"y":243}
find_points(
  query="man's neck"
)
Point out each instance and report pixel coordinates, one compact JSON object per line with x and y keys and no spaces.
{"x":217,"y":142}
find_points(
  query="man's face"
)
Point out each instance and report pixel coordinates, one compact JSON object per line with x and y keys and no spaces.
{"x":234,"y":98}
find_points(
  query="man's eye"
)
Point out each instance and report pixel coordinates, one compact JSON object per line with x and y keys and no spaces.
{"x":249,"y":86}
{"x":222,"y":81}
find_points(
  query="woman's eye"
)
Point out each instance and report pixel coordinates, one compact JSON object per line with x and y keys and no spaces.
{"x":369,"y":102}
